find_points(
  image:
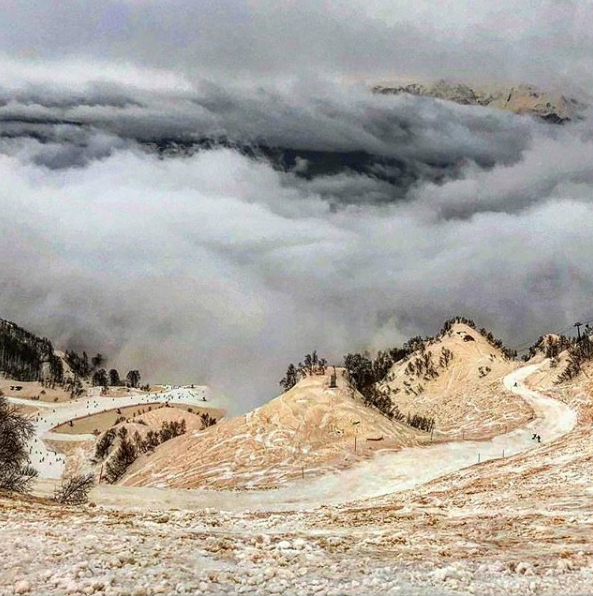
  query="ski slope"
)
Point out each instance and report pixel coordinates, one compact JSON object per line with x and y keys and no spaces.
{"x":386,"y":473}
{"x":50,"y":464}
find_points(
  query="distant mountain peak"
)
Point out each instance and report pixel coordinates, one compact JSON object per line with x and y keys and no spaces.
{"x":520,"y":99}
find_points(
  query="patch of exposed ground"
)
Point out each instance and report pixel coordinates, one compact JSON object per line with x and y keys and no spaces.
{"x":105,"y":420}
{"x":33,"y":390}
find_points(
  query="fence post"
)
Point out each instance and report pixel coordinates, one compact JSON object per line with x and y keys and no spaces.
{"x":478,"y":458}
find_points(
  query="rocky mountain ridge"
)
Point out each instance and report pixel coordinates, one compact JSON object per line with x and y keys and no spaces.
{"x":520,"y":99}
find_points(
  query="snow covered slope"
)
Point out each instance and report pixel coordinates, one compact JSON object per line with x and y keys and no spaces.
{"x":50,"y":464}
{"x":456,"y":379}
{"x":309,"y":430}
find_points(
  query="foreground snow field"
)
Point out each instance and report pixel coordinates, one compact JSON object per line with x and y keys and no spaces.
{"x":206,"y":552}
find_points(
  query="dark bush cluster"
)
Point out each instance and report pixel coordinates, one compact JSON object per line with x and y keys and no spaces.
{"x":104,"y":444}
{"x":311,"y":365}
{"x":125,"y":455}
{"x":129,"y":449}
{"x":425,"y":423}
{"x":207,"y":420}
{"x":365,"y":373}
{"x":484,"y":370}
{"x":422,"y":366}
{"x":445,"y":358}
{"x":170,"y":430}
{"x":579,"y":353}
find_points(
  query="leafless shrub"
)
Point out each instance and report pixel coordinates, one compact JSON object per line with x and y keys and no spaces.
{"x":75,"y":490}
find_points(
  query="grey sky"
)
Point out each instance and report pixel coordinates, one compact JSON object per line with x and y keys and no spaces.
{"x":547,"y":42}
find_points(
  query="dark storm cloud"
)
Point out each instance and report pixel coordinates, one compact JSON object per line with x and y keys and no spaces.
{"x":219,"y":268}
{"x":332,"y":119}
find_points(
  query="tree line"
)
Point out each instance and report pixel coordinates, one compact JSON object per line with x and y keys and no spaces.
{"x":26,"y":357}
{"x":507,"y":352}
{"x":83,"y":367}
{"x":102,"y":378}
{"x":312,"y":365}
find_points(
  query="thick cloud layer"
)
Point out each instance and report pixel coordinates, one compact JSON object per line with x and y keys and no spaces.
{"x":215,"y":266}
{"x":207,"y":190}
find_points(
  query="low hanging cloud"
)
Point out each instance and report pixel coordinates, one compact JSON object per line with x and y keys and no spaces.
{"x":217,"y":265}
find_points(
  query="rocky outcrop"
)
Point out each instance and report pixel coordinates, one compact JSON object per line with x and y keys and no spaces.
{"x":521,"y":99}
